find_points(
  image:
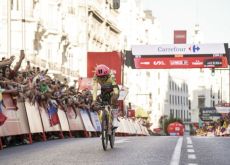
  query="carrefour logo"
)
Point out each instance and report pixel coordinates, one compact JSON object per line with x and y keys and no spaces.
{"x":194,"y":48}
{"x":170,"y":49}
{"x":177,"y":49}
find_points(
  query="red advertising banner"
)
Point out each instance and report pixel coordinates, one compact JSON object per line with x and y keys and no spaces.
{"x":175,"y":129}
{"x":131,"y":113}
{"x":180,"y":62}
{"x":180,"y":37}
{"x":113,"y":60}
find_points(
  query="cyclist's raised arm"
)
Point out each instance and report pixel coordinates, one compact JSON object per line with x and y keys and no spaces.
{"x":115,"y":86}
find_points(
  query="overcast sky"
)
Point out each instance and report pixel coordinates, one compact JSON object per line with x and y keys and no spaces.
{"x":213,"y":16}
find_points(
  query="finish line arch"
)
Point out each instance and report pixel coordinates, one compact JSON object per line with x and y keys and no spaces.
{"x":178,"y":56}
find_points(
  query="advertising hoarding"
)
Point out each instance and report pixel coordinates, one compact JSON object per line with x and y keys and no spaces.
{"x":176,"y":49}
{"x":180,"y":37}
{"x":113,"y":60}
{"x":180,"y":62}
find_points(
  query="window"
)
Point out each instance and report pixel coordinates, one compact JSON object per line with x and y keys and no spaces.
{"x":116,"y":4}
{"x":14,"y":4}
{"x":52,"y":17}
{"x":170,"y":99}
{"x":71,"y":9}
{"x":171,"y":113}
{"x":201,"y":101}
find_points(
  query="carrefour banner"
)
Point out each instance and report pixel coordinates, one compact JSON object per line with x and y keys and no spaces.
{"x":179,"y":49}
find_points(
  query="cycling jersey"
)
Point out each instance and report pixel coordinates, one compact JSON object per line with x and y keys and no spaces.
{"x":110,"y":81}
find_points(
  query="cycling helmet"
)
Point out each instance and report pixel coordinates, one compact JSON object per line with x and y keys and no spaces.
{"x":102,"y":70}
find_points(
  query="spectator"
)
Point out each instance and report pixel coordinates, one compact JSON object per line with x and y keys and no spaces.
{"x":6,"y":62}
{"x":28,"y":67}
{"x":8,"y":72}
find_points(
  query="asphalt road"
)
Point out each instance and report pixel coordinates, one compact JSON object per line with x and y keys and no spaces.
{"x":151,"y":150}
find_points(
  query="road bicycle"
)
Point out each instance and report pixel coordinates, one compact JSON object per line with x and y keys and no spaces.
{"x":107,"y":133}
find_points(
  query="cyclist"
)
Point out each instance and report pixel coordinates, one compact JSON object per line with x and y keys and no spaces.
{"x":109,"y":87}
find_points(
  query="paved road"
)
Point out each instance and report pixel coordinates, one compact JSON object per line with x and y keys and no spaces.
{"x":206,"y":151}
{"x":152,"y":150}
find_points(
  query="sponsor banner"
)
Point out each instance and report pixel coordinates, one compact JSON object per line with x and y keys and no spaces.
{"x":131,"y":113}
{"x":86,"y":121}
{"x":175,"y":129}
{"x":33,"y":116}
{"x":113,"y":60}
{"x":9,"y":102}
{"x":95,"y":121}
{"x":46,"y":121}
{"x":180,"y":62}
{"x":220,"y":109}
{"x":74,"y":119}
{"x":180,"y":37}
{"x":16,"y":123}
{"x":179,"y":49}
{"x":209,"y":114}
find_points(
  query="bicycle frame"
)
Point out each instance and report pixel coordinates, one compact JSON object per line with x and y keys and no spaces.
{"x":106,"y":124}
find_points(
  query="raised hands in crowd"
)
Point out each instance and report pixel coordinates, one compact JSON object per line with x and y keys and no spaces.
{"x":35,"y":85}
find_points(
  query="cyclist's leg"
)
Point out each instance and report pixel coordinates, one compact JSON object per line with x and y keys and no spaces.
{"x":113,"y":100}
{"x":110,"y":120}
{"x":114,"y":107}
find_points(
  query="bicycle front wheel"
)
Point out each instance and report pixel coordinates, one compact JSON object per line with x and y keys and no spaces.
{"x":104,"y":130}
{"x":112,"y":139}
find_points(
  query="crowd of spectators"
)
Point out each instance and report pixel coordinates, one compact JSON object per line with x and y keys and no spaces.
{"x":220,"y":127}
{"x":35,"y":85}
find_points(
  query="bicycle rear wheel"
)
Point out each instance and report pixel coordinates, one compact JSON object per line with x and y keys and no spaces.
{"x":104,"y":131}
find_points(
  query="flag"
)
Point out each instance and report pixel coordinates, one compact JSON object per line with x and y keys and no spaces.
{"x":2,"y":116}
{"x":53,"y":115}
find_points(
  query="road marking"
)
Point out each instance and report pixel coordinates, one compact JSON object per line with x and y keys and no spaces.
{"x":189,"y":141}
{"x":190,"y":150}
{"x":175,"y":160}
{"x":191,"y":156}
{"x":189,"y":146}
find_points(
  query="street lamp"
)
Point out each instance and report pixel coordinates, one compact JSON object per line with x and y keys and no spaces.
{"x":228,"y":82}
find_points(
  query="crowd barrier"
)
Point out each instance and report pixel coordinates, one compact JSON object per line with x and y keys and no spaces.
{"x":31,"y":119}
